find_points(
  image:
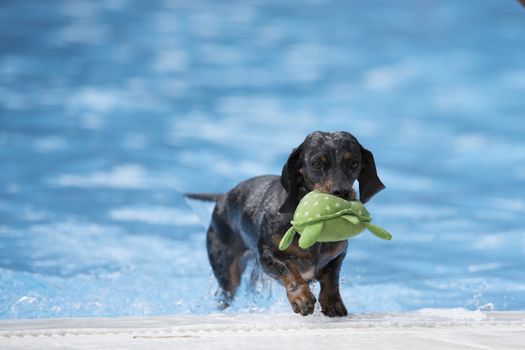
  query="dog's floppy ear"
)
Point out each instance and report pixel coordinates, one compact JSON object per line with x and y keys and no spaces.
{"x":369,"y":182}
{"x":290,"y":181}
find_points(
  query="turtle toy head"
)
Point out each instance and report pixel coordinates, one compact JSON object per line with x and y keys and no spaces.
{"x":322,"y":217}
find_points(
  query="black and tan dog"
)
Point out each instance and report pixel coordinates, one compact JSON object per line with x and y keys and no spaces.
{"x":252,"y":218}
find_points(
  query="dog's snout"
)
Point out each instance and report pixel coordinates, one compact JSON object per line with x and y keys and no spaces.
{"x":343,"y":193}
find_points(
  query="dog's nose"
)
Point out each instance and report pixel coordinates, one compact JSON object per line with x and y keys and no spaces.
{"x":343,"y":193}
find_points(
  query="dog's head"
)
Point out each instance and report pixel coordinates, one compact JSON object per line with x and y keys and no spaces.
{"x":330,"y":163}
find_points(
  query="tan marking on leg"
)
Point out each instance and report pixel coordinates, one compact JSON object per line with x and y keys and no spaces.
{"x":235,"y":277}
{"x":299,"y":295}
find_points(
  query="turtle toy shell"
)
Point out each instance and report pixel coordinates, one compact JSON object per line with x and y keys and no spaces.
{"x":322,"y":217}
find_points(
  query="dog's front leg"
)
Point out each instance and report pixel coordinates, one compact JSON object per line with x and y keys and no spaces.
{"x":297,"y":291}
{"x":299,"y":295}
{"x":331,"y":303}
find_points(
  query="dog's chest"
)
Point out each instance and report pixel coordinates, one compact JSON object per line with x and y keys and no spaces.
{"x":320,"y":255}
{"x":308,"y":273}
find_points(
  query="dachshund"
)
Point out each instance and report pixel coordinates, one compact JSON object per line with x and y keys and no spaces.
{"x":251,"y":219}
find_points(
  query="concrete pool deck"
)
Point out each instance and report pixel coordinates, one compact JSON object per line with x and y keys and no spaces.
{"x":426,"y":329}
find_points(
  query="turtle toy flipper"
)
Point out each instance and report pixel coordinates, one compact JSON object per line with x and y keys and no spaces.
{"x":322,"y":217}
{"x":378,"y":231}
{"x":287,"y":239}
{"x":310,"y":235}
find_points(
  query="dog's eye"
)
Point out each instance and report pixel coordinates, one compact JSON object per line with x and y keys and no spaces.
{"x":354,"y":164}
{"x":317,"y":165}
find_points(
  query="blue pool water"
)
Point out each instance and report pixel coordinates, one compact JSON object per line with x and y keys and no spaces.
{"x":109,"y":110}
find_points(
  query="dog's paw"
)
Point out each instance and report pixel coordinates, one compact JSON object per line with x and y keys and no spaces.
{"x":301,"y":299}
{"x":332,"y":305}
{"x":224,"y":299}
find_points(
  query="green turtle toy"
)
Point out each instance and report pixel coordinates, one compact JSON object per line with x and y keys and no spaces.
{"x":322,"y":217}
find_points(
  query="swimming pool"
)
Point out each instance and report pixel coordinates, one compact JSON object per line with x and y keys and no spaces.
{"x":111,"y":109}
